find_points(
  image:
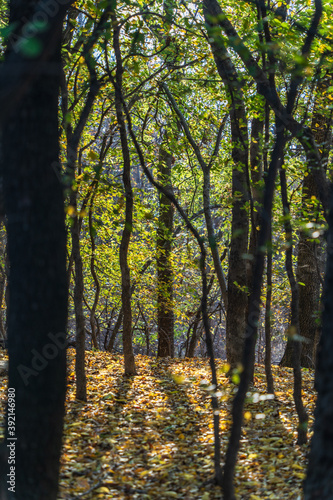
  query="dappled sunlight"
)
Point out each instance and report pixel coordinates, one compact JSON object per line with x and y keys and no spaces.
{"x":151,"y":436}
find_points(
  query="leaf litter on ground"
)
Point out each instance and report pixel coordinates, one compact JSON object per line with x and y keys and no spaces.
{"x":151,"y":436}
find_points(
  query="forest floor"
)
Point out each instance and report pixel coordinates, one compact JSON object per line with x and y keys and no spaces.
{"x":151,"y":436}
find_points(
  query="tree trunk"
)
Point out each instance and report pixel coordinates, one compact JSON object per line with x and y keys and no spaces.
{"x":165,"y":314}
{"x":37,"y":313}
{"x":257,"y":128}
{"x":294,"y":327}
{"x":129,"y":361}
{"x":93,"y":319}
{"x":237,"y":275}
{"x":80,"y":345}
{"x":319,"y":481}
{"x":192,"y":342}
{"x":307,"y":265}
{"x":252,"y":324}
{"x":268,"y":324}
{"x":115,"y":330}
{"x":309,"y":297}
{"x":194,"y":337}
{"x":80,"y":337}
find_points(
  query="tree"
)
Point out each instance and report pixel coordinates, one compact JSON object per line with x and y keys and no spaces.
{"x":237,"y":275}
{"x":308,"y":265}
{"x":37,"y":315}
{"x":285,"y":120}
{"x":165,"y":313}
{"x":128,"y":226}
{"x":73,"y":137}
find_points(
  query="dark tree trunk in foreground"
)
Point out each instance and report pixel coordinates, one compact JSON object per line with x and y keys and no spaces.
{"x":37,"y":312}
{"x":165,"y":315}
{"x":319,"y":480}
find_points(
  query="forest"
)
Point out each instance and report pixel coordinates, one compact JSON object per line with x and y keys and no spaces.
{"x":166,"y":264}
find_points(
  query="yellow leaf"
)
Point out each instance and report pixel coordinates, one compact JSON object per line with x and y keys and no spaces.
{"x":179,"y":379}
{"x":103,"y":489}
{"x":70,"y":210}
{"x":225,"y":368}
{"x":188,"y":477}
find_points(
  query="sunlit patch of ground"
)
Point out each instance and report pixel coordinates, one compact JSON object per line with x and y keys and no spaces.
{"x":151,"y":436}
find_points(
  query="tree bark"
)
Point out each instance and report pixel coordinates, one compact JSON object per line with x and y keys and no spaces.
{"x":37,"y":313}
{"x":165,"y":313}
